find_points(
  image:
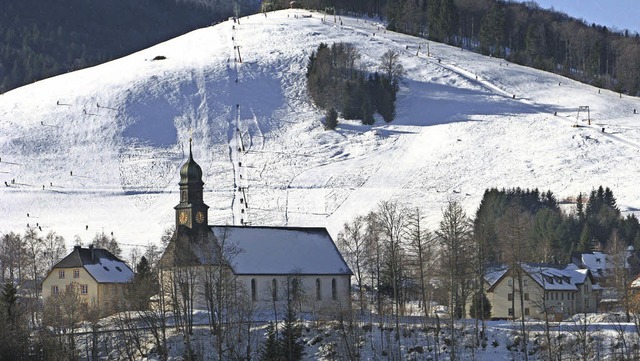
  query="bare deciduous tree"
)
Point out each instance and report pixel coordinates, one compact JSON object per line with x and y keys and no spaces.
{"x":454,"y":236}
{"x":353,"y":244}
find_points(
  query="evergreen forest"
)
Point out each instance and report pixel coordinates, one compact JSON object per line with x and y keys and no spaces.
{"x":522,"y":33}
{"x":336,"y":83}
{"x":40,"y":39}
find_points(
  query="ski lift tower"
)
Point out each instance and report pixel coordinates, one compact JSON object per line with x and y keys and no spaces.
{"x":583,"y":108}
{"x":330,"y":10}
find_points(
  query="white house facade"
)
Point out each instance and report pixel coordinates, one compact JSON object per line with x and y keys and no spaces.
{"x":540,"y":290}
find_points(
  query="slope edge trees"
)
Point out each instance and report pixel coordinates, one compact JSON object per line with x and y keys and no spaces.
{"x":40,"y":39}
{"x":521,"y":32}
{"x":336,"y":84}
{"x":552,"y":233}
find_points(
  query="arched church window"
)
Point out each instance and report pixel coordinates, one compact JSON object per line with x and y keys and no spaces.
{"x":334,"y":290}
{"x":318,"y":290}
{"x":254,"y":292}
{"x":274,"y":289}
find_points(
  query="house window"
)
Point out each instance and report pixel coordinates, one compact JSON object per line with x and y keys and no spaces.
{"x":510,"y":297}
{"x":510,"y":282}
{"x":61,"y":273}
{"x":526,"y":311}
{"x":274,"y":289}
{"x":54,"y":290}
{"x":526,"y":297}
{"x":318,"y":290}
{"x":526,"y":282}
{"x":511,"y":312}
{"x":84,"y":289}
{"x":334,"y":290}
{"x":253,"y":290}
{"x":562,"y":296}
{"x":76,"y":273}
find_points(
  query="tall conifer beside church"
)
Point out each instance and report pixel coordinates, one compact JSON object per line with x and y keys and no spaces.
{"x":264,"y":263}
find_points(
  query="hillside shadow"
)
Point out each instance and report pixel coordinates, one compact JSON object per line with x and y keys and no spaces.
{"x":379,"y":129}
{"x":150,"y":117}
{"x":428,"y":103}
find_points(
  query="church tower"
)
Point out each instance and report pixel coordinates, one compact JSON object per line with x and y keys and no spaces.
{"x":191,"y":212}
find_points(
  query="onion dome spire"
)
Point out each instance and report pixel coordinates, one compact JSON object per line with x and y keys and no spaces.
{"x":190,"y":171}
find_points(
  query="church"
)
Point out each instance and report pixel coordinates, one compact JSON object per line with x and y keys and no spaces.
{"x":261,"y":266}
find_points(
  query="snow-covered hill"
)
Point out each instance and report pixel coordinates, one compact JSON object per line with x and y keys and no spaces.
{"x":98,"y":150}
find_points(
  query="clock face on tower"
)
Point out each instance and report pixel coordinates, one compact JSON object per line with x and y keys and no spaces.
{"x":183,"y":217}
{"x":199,"y":217}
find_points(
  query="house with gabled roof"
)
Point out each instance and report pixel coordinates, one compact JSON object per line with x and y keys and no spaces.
{"x":558,"y":291}
{"x":264,"y":262}
{"x":99,"y":277}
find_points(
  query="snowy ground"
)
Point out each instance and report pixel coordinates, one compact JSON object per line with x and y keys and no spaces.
{"x":99,"y":149}
{"x":606,"y":338}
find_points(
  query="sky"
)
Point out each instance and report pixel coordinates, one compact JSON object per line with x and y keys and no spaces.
{"x":617,"y":14}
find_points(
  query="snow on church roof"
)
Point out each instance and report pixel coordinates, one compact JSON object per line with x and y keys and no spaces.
{"x":283,"y":250}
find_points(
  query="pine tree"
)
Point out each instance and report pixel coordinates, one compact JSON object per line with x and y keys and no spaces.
{"x":585,"y":239}
{"x":580,"y":207}
{"x":143,"y":286}
{"x":480,"y":310}
{"x":491,"y":30}
{"x":14,"y":334}
{"x":9,"y":299}
{"x":291,"y":345}
{"x":351,"y":101}
{"x":270,"y":350}
{"x":609,"y":199}
{"x":331,"y":121}
{"x":367,"y":112}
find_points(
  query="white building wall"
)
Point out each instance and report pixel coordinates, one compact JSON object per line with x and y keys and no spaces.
{"x":329,"y":297}
{"x":260,"y":288}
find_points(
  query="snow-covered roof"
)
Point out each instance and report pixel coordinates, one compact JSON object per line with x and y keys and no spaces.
{"x":602,"y":263}
{"x":551,"y":277}
{"x":635,"y":283}
{"x":283,"y":250}
{"x":110,"y":271}
{"x":595,"y":261}
{"x":101,"y":264}
{"x":494,"y":273}
{"x":557,"y":278}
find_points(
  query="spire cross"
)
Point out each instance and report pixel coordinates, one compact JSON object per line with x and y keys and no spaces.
{"x":190,"y":140}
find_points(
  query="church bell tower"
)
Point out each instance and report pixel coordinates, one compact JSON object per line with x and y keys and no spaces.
{"x":191,"y":212}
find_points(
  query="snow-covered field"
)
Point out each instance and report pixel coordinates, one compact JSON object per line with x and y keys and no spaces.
{"x":98,"y":150}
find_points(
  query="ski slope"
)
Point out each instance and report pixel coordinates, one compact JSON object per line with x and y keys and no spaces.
{"x":98,"y":150}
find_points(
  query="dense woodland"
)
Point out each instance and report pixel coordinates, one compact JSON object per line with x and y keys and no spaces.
{"x":522,"y":33}
{"x":40,"y":39}
{"x":510,"y":225}
{"x":337,"y":83}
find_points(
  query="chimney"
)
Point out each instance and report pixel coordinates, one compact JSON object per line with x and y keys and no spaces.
{"x":93,"y":253}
